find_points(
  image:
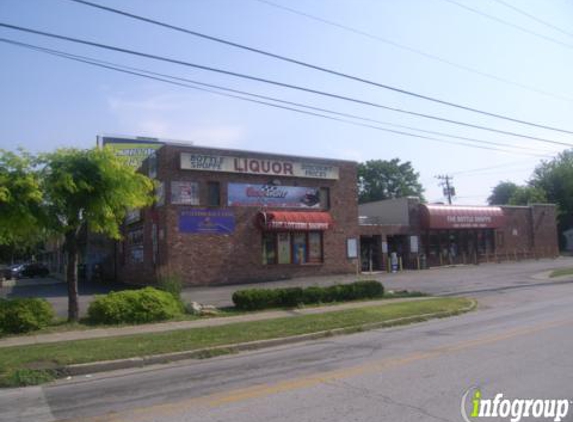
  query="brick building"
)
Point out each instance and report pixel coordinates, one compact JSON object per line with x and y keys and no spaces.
{"x":424,"y":235}
{"x":228,"y":216}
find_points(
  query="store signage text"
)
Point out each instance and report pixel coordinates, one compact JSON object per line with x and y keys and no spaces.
{"x":206,"y":162}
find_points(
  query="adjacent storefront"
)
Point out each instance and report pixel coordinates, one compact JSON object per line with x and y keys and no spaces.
{"x":424,"y":235}
{"x":458,"y":234}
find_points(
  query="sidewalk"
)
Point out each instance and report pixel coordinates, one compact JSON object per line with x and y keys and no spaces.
{"x":180,"y":325}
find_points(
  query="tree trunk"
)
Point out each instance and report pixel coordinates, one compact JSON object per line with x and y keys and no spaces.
{"x":72,"y":277}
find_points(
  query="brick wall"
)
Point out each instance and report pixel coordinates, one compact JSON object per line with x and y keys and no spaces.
{"x":237,"y":257}
{"x":530,"y":231}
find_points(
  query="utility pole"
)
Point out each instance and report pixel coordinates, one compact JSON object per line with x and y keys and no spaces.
{"x":449,"y":190}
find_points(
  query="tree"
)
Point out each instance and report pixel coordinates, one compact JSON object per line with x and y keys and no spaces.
{"x":20,"y":205}
{"x":381,"y":179}
{"x":88,"y":189}
{"x":20,"y":198}
{"x":555,"y":178}
{"x":501,"y":193}
{"x":525,"y":195}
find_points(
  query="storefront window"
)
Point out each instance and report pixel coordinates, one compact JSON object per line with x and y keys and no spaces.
{"x":292,"y":248}
{"x":283,"y":245}
{"x":184,"y":193}
{"x":299,"y":248}
{"x":269,"y":248}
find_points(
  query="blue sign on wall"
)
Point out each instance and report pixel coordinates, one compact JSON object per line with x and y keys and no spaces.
{"x":206,"y":221}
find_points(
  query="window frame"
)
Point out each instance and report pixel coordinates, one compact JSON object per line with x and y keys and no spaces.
{"x":292,"y":234}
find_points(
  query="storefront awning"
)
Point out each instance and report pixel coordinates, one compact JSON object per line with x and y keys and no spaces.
{"x":294,"y":220}
{"x":460,"y":217}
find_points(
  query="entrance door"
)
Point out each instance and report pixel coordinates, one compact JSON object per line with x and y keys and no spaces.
{"x":371,"y":253}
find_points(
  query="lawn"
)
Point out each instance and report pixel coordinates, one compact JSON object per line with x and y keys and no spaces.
{"x":34,"y":364}
{"x":561,"y":272}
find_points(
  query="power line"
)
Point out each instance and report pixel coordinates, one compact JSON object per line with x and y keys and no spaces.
{"x":510,"y":24}
{"x":512,"y":164}
{"x":493,"y":173}
{"x":90,"y":60}
{"x":101,"y":64}
{"x":281,"y":84}
{"x":415,"y":51}
{"x":535,"y":18}
{"x":319,"y":68}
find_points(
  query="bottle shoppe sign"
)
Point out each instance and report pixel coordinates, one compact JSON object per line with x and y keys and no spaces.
{"x":247,"y":195}
{"x":228,"y":164}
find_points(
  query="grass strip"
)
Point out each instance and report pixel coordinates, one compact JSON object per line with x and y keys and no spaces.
{"x":61,"y":325}
{"x":561,"y":272}
{"x":45,"y":358}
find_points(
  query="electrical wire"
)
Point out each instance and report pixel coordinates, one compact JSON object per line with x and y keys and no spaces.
{"x":416,"y":51}
{"x":277,"y":83}
{"x":319,"y":68}
{"x":533,"y":17}
{"x":512,"y":164}
{"x":135,"y":73}
{"x":236,"y":91}
{"x":507,"y":23}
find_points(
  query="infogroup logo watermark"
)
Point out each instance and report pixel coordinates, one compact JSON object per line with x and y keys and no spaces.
{"x":475,"y":407}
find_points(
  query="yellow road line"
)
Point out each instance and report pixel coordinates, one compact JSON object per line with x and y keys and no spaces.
{"x":160,"y":411}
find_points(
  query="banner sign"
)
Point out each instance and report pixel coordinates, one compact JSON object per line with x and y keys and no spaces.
{"x":206,"y":221}
{"x":247,"y":195}
{"x":134,"y":151}
{"x":228,"y":164}
{"x":460,"y":217}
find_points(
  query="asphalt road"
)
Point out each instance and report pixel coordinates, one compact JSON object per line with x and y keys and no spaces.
{"x":518,"y":343}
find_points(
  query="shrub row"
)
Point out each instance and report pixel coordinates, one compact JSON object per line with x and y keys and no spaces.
{"x":253,"y":299}
{"x":134,"y":307}
{"x":24,"y":315}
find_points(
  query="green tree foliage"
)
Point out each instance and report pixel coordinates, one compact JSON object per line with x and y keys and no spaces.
{"x":20,"y":200}
{"x":382,"y":179}
{"x":93,"y":189}
{"x":555,"y":178}
{"x":501,"y":193}
{"x":525,"y":195}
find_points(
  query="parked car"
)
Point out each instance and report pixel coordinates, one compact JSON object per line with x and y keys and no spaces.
{"x":33,"y":269}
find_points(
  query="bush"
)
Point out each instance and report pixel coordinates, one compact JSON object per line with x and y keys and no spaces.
{"x":24,"y":315}
{"x":369,"y":289}
{"x":254,"y":299}
{"x":171,"y":284}
{"x":134,"y":307}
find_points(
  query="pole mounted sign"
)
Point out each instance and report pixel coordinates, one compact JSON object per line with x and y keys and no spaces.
{"x":229,"y":164}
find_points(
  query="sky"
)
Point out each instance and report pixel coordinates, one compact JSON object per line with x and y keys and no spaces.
{"x":492,"y":58}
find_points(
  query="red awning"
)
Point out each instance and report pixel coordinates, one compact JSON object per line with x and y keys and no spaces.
{"x":294,"y":220}
{"x":460,"y":217}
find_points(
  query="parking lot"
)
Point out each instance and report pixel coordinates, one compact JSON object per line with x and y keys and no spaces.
{"x":460,"y":280}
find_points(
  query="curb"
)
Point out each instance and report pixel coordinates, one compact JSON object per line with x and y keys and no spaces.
{"x":140,"y":362}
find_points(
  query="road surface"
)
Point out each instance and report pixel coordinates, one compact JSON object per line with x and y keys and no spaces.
{"x":518,"y":343}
